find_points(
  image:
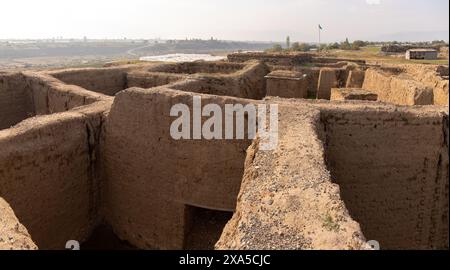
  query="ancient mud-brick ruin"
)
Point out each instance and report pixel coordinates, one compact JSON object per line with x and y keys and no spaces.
{"x":86,"y":155}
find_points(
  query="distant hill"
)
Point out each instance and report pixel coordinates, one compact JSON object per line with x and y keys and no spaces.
{"x":129,"y":48}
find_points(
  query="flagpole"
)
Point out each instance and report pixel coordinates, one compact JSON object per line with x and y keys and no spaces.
{"x":319,"y":37}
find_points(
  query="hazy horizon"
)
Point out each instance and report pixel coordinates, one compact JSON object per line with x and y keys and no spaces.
{"x":250,"y":20}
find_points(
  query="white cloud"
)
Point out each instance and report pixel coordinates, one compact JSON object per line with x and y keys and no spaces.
{"x":373,"y":2}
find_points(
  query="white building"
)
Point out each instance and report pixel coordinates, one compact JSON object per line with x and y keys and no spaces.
{"x":422,"y":54}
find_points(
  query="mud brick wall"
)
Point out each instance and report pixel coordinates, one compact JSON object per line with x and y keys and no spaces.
{"x":342,"y":94}
{"x":151,"y":178}
{"x":250,"y":80}
{"x":47,"y":175}
{"x":328,"y":78}
{"x":50,"y":95}
{"x":198,"y":67}
{"x":287,"y":85}
{"x":397,"y":188}
{"x":247,"y":83}
{"x":433,"y":76}
{"x":106,"y":81}
{"x":272,"y":58}
{"x":330,"y":60}
{"x":312,"y":76}
{"x":287,"y":200}
{"x":355,"y":79}
{"x":15,"y":100}
{"x":399,"y":89}
{"x":151,"y":79}
{"x":312,"y":79}
{"x":441,"y":94}
{"x":76,"y":164}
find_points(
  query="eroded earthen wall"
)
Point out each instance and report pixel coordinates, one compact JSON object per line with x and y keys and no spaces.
{"x":106,"y":81}
{"x":331,"y":60}
{"x":435,"y":77}
{"x":355,"y":79}
{"x":287,"y":200}
{"x":151,"y":177}
{"x":398,"y":89}
{"x":247,"y":83}
{"x":341,"y":94}
{"x":151,"y":79}
{"x":328,"y":79}
{"x":197,"y":67}
{"x":392,"y":168}
{"x":151,"y":188}
{"x":251,"y":82}
{"x":312,"y":76}
{"x":312,"y":79}
{"x":15,"y":100}
{"x":50,"y":95}
{"x":287,"y":87}
{"x":47,"y":175}
{"x":271,"y":58}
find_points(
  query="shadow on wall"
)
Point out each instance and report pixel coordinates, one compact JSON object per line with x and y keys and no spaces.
{"x":396,"y":188}
{"x":104,"y":238}
{"x":204,"y":227}
{"x":202,"y":232}
{"x":204,"y":173}
{"x":16,"y":103}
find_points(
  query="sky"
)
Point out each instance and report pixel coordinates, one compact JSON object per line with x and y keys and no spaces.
{"x":250,"y":20}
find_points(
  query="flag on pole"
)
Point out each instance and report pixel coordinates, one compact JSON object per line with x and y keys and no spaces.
{"x":320,"y":29}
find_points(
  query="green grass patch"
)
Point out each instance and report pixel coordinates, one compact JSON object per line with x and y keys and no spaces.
{"x":330,"y":224}
{"x":374,"y":54}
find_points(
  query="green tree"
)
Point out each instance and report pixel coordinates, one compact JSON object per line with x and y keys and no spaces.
{"x":277,"y":48}
{"x":324,"y":47}
{"x":295,"y":46}
{"x":356,"y":46}
{"x":304,"y":47}
{"x":333,"y":46}
{"x":359,"y":43}
{"x":346,"y":45}
{"x":301,"y":47}
{"x":288,"y":42}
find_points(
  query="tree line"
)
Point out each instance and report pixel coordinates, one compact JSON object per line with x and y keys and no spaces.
{"x":344,"y":45}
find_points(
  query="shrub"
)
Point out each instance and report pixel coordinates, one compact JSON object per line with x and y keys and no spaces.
{"x":277,"y":48}
{"x":301,"y":47}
